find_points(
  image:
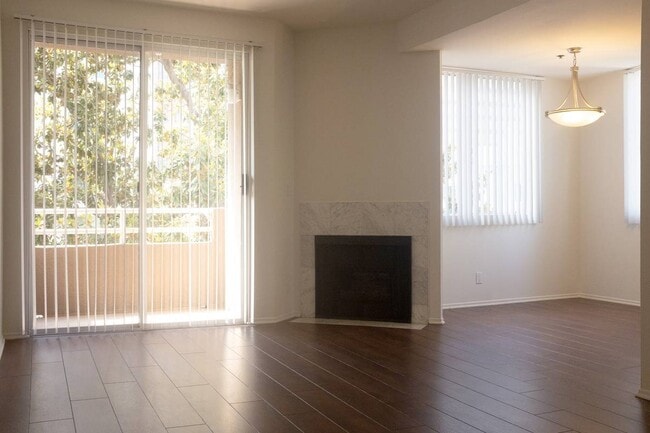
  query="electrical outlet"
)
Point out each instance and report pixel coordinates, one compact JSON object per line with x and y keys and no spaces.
{"x":479,"y":278}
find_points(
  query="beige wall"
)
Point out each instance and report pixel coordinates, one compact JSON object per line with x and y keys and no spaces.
{"x":609,"y":247}
{"x":523,"y":261}
{"x":367,"y":125}
{"x":273,"y":153}
{"x":274,"y":187}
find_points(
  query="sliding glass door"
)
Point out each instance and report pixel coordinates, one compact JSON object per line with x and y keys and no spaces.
{"x":138,"y":152}
{"x":194,"y":169}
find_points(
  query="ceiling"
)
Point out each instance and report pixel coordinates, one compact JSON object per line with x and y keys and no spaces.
{"x":525,"y":39}
{"x":312,"y":14}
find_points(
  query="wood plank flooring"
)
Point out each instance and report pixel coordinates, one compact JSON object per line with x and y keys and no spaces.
{"x":542,"y":367}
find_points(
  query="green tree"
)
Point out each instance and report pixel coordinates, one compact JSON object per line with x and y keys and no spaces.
{"x":87,"y":136}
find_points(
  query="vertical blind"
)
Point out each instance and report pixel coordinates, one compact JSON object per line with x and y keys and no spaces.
{"x":490,"y":148}
{"x":136,"y":149}
{"x":632,"y":146}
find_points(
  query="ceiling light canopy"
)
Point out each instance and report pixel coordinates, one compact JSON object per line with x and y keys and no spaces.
{"x":575,"y":110}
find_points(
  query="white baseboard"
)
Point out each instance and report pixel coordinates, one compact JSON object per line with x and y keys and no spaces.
{"x":610,"y":299}
{"x":16,"y":336}
{"x":441,"y":321}
{"x":644,"y":394}
{"x":510,"y":301}
{"x":270,"y":320}
{"x":539,"y":298}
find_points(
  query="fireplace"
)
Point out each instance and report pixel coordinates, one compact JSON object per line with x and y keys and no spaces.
{"x":363,"y":278}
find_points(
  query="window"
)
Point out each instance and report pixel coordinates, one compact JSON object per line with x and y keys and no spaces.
{"x":490,"y":148}
{"x":138,"y":145}
{"x":632,"y":146}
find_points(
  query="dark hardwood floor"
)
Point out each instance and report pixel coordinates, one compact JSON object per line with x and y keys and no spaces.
{"x":543,"y":367}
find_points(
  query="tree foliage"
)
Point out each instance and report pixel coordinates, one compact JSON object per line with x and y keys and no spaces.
{"x":88,"y":134}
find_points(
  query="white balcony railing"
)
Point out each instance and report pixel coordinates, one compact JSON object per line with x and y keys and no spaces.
{"x":120,"y":225}
{"x":185,"y":264}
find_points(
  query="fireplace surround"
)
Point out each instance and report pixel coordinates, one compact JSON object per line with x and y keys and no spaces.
{"x":367,"y":219}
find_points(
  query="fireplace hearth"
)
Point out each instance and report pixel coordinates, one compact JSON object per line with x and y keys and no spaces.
{"x":363,"y":278}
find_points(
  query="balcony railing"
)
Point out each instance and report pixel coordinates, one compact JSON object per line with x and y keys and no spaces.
{"x":89,"y":257}
{"x":120,"y":225}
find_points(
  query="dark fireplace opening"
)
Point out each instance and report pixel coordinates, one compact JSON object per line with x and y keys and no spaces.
{"x":363,"y":278}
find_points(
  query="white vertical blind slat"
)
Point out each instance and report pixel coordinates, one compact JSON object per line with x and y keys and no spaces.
{"x":106,"y":188}
{"x":76,"y":192}
{"x":95,"y":131}
{"x":510,"y":110}
{"x":32,"y":134}
{"x":66,"y":280}
{"x":44,"y":194}
{"x":475,"y":148}
{"x":526,"y":162}
{"x":55,"y":188}
{"x":86,"y":210}
{"x":22,"y":165}
{"x":632,"y":146}
{"x":145,"y":296}
{"x":190,"y":197}
{"x":118,"y":238}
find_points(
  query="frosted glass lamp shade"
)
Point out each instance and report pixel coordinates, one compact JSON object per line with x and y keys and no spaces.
{"x":575,"y":117}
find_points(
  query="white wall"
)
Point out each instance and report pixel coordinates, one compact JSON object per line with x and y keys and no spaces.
{"x":609,"y":247}
{"x":2,"y":340}
{"x":367,"y":125}
{"x":273,"y":184}
{"x":523,"y":261}
{"x":644,"y":391}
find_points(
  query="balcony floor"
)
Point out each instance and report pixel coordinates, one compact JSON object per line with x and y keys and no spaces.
{"x":131,"y":322}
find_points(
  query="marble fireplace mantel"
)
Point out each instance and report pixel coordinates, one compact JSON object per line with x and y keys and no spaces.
{"x":366,"y":218}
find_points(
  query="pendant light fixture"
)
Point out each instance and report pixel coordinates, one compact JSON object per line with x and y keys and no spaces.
{"x":575,"y":110}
